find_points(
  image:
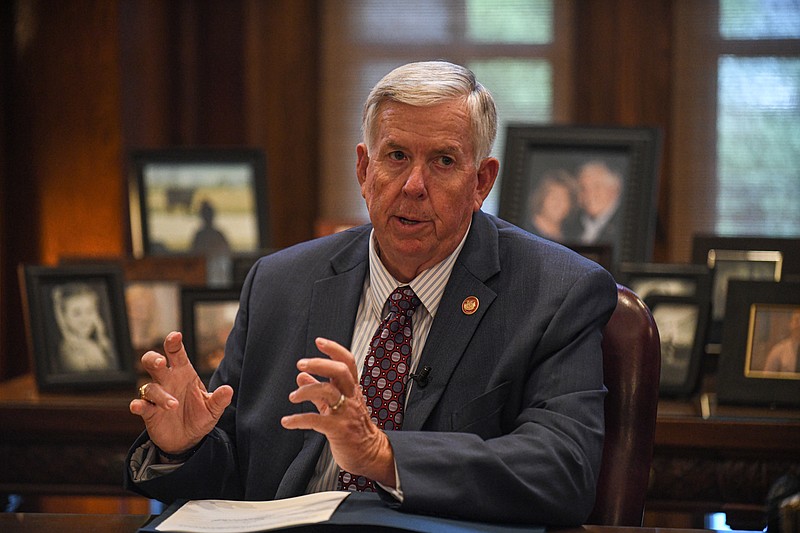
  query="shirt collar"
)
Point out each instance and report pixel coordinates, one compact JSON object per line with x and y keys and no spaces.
{"x":428,"y":285}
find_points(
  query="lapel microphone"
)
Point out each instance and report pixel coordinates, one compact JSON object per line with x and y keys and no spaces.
{"x":421,"y":377}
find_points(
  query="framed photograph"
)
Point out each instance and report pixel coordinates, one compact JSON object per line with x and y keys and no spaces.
{"x":153,"y":297}
{"x":760,"y":363}
{"x":682,"y":323}
{"x":154,"y":310}
{"x":77,"y":326}
{"x":198,"y":201}
{"x":788,"y":247}
{"x":717,"y":250}
{"x":728,"y":265}
{"x":666,"y":279}
{"x":584,"y":186}
{"x":208,"y":315}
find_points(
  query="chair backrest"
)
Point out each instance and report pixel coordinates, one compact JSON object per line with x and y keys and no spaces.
{"x":631,"y":366}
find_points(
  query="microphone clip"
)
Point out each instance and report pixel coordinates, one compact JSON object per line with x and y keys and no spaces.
{"x":421,"y":377}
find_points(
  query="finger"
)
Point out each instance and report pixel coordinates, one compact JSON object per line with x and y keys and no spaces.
{"x":345,"y":426}
{"x":154,"y":364}
{"x":303,"y":421}
{"x":337,"y":352}
{"x":175,"y":350}
{"x":155,"y":394}
{"x":321,"y":393}
{"x":304,"y":378}
{"x":219,"y":400}
{"x":140,"y":407}
{"x":333,"y":370}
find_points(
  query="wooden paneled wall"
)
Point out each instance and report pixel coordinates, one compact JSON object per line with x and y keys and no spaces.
{"x":6,"y":42}
{"x":62,"y":182}
{"x":623,"y":66}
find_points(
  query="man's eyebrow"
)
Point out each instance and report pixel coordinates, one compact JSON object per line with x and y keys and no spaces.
{"x":450,"y":149}
{"x":447,"y":149}
{"x":393,"y":145}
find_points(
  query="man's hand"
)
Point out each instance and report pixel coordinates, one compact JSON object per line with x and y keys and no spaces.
{"x":357,"y":444}
{"x":177,"y":410}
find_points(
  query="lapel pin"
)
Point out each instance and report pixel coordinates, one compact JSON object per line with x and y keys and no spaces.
{"x":470,"y":305}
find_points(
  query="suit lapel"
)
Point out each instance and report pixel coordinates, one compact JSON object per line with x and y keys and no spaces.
{"x":453,"y":328}
{"x":334,"y":302}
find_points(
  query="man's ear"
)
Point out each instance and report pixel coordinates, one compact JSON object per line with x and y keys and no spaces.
{"x":487,"y":174}
{"x":362,"y":162}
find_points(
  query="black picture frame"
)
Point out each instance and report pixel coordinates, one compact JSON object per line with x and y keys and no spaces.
{"x":753,"y":315}
{"x":77,"y":326}
{"x":548,"y":158}
{"x":727,"y":246}
{"x":666,"y":279}
{"x":198,"y":201}
{"x":728,"y":265}
{"x":208,"y":315}
{"x":682,"y":322}
{"x":789,"y":248}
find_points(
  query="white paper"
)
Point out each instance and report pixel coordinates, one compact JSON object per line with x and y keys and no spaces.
{"x":229,"y":516}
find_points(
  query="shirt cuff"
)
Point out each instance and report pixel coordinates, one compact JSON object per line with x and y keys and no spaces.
{"x":145,"y":464}
{"x":397,"y":492}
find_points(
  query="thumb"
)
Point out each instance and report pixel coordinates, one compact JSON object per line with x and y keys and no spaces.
{"x":219,"y":400}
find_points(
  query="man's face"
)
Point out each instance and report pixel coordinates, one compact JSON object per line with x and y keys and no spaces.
{"x":420,"y":183}
{"x":598,"y":190}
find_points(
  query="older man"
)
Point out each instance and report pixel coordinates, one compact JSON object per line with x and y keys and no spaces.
{"x":439,"y":355}
{"x":599,"y":195}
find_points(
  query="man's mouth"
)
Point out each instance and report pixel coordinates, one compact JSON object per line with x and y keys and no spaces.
{"x":408,"y":221}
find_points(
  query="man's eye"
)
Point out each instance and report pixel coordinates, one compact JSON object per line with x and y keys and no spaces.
{"x":447,"y":161}
{"x":397,"y":155}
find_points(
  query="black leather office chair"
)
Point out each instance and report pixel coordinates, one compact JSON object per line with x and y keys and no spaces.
{"x":631,"y":366}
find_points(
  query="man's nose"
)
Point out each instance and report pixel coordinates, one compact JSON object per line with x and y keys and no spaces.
{"x":415,"y":182}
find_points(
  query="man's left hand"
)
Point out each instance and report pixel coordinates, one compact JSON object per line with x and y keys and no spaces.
{"x":357,"y":444}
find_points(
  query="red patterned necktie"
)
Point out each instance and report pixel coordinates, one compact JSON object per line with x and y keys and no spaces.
{"x":386,"y":373}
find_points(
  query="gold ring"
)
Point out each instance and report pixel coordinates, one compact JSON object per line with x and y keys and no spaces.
{"x":335,"y":407}
{"x":143,"y":392}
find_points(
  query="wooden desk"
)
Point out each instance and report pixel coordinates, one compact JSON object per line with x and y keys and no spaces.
{"x":70,"y":523}
{"x":725,"y":463}
{"x":722,"y":464}
{"x":64,"y":443}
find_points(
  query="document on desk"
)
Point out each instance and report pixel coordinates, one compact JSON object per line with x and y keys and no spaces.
{"x":228,"y":516}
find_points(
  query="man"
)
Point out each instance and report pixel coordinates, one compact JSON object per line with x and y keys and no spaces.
{"x":599,"y":194}
{"x":503,"y":417}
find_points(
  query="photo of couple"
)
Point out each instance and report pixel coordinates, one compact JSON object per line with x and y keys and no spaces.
{"x":580,"y":206}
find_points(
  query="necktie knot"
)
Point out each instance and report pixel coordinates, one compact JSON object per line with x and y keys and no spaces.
{"x":403,"y":301}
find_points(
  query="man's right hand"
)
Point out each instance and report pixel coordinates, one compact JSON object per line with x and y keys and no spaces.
{"x":177,"y":409}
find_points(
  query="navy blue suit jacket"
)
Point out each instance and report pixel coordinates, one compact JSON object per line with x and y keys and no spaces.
{"x":510,"y":425}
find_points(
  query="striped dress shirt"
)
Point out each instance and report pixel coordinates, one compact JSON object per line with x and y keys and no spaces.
{"x":378,"y":285}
